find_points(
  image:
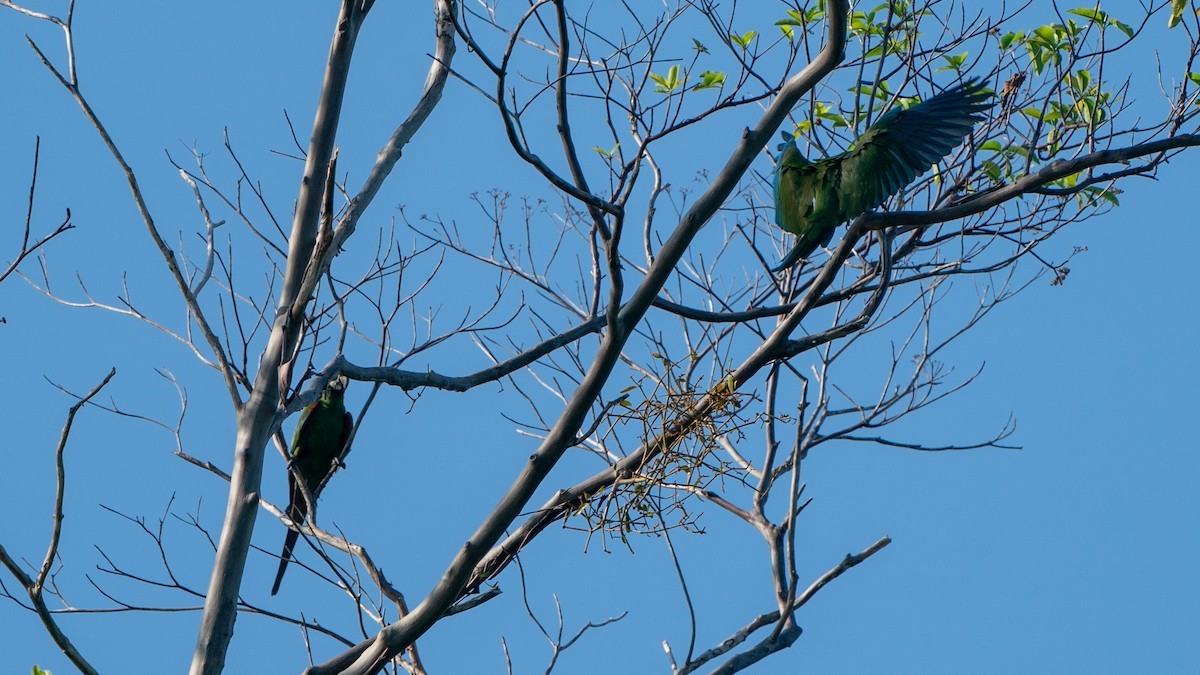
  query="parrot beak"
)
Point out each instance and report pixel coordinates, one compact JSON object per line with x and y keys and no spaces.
{"x":339,"y":383}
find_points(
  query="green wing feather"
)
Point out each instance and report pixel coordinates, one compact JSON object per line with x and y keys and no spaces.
{"x":905,"y":143}
{"x":813,"y":198}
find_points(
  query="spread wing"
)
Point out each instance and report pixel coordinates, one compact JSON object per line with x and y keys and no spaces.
{"x":905,"y":143}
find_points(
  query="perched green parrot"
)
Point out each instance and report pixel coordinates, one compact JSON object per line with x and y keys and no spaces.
{"x":813,"y":198}
{"x":317,"y":446}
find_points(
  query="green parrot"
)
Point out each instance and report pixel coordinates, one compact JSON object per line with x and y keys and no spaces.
{"x":813,"y":198}
{"x":317,"y":446}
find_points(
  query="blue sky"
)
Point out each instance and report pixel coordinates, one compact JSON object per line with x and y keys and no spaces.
{"x":1077,"y":553}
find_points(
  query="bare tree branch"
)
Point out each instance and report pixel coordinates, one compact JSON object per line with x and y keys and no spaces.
{"x":35,"y":586}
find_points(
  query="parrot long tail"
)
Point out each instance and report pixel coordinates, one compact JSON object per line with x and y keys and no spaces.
{"x":296,"y":511}
{"x":803,"y":249}
{"x":798,"y":252}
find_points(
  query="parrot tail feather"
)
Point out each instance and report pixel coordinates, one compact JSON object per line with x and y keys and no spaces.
{"x":800,"y":251}
{"x":297,"y":509}
{"x":288,"y":544}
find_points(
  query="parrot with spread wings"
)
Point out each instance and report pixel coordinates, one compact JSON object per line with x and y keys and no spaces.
{"x":813,"y":198}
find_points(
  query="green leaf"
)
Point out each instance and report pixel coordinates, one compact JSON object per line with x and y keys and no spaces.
{"x":670,"y":83}
{"x":991,"y":170}
{"x":1047,"y":34}
{"x":953,"y":62}
{"x":1093,"y":14}
{"x":1023,"y":153}
{"x":700,"y":48}
{"x":1008,"y":39}
{"x":863,"y":90}
{"x":606,"y":154}
{"x":1102,"y":18}
{"x":1080,"y":80}
{"x":1177,"y":7}
{"x":863,"y":23}
{"x":710,"y":80}
{"x":824,"y":112}
{"x":744,"y":39}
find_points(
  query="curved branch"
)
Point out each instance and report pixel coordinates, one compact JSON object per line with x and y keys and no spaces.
{"x":756,"y":654}
{"x":408,"y":379}
{"x":34,"y":587}
{"x":435,"y":83}
{"x":991,"y":198}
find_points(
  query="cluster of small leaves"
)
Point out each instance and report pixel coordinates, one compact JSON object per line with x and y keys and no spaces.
{"x":804,"y":19}
{"x":872,"y":22}
{"x":889,"y":22}
{"x":825,"y":114}
{"x":955,"y":62}
{"x":1046,"y":45}
{"x":821,"y":114}
{"x":1000,"y":166}
{"x":676,"y":80}
{"x":892,"y":24}
{"x":862,"y":23}
{"x":1007,"y":160}
{"x":744,"y":40}
{"x":1090,"y":195}
{"x":667,"y":84}
{"x":1082,"y":106}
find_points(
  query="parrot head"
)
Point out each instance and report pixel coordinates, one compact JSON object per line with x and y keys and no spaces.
{"x":335,"y":389}
{"x":788,"y":139}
